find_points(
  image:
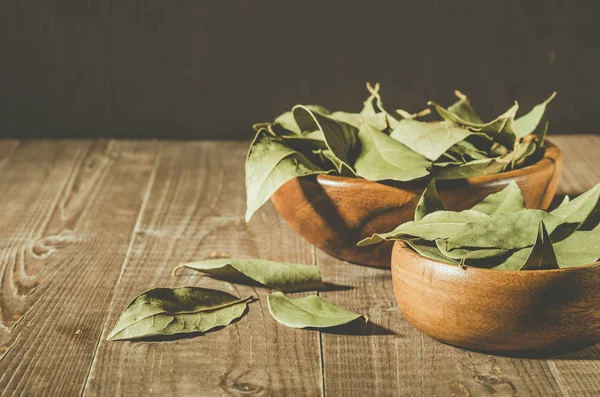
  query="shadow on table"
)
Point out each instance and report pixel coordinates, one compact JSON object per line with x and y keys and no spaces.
{"x":358,"y":327}
{"x":588,"y":352}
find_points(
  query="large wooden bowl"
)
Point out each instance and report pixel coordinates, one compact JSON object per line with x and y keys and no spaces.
{"x":335,"y":213}
{"x":535,"y":311}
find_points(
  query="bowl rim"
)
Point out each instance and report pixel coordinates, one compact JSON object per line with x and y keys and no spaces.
{"x":552,"y":154}
{"x":482,"y":270}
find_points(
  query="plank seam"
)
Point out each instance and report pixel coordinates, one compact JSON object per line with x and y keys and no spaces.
{"x":558,"y":378}
{"x":125,"y":261}
{"x":321,"y":350}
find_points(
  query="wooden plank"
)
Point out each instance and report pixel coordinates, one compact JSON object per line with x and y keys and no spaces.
{"x":395,"y":359}
{"x":68,"y":212}
{"x":195,"y":207}
{"x":581,"y":168}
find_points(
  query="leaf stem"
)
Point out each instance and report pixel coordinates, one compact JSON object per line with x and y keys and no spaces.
{"x":174,"y":272}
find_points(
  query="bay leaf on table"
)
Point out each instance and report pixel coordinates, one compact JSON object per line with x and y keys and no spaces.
{"x":509,"y":199}
{"x":169,"y":311}
{"x":340,"y":138}
{"x":527,"y":124}
{"x":431,"y":139}
{"x":429,"y":202}
{"x":383,"y":158}
{"x":311,"y":311}
{"x":283,"y":276}
{"x":542,"y":255}
{"x":270,"y":164}
{"x":436,"y":225}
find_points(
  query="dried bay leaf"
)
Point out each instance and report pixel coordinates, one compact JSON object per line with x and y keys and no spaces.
{"x":429,"y":250}
{"x":582,"y":247}
{"x":429,"y":202}
{"x":464,"y":110}
{"x":569,"y":216}
{"x":169,"y":311}
{"x":311,"y":311}
{"x":288,"y":122}
{"x":481,"y":167}
{"x":437,"y":225}
{"x":284,"y":276}
{"x":527,"y":124}
{"x":377,"y":121}
{"x":270,"y":164}
{"x":427,"y":138}
{"x":466,"y":149}
{"x":512,"y":230}
{"x":499,"y":129}
{"x":383,"y":158}
{"x":542,"y":255}
{"x":509,"y":199}
{"x":339,"y":137}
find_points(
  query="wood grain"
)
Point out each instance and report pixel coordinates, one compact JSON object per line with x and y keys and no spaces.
{"x":195,"y":207}
{"x":68,"y":209}
{"x":87,"y":225}
{"x":392,"y":358}
{"x":581,"y":159}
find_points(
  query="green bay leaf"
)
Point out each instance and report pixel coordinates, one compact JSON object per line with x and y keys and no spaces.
{"x":474,"y":168}
{"x":509,"y":199}
{"x":436,"y":225}
{"x":339,"y":137}
{"x":284,"y":276}
{"x":428,"y":138}
{"x":569,"y":216}
{"x":582,"y":247}
{"x":169,"y":311}
{"x":270,"y":164}
{"x":383,"y":158}
{"x":311,"y":311}
{"x":542,"y":255}
{"x":500,"y":129}
{"x":429,"y":250}
{"x":508,"y":231}
{"x":527,"y":124}
{"x":429,"y":202}
{"x":464,"y":110}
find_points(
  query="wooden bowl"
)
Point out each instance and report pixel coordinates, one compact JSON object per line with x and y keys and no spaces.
{"x":335,"y":213}
{"x":504,"y":311}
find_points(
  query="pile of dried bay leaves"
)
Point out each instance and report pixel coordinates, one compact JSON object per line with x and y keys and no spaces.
{"x":383,"y":143}
{"x":500,"y":233}
{"x":190,"y":310}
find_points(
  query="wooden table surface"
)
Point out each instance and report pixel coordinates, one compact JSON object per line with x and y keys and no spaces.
{"x":87,"y":225}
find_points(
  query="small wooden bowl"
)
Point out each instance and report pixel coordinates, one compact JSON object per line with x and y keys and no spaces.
{"x":335,"y":213}
{"x":535,"y":311}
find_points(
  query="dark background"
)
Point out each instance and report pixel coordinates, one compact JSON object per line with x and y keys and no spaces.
{"x":209,"y":69}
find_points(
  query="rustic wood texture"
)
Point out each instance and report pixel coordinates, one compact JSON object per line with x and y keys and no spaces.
{"x":334,"y":213}
{"x":210,"y":69}
{"x":87,"y":225}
